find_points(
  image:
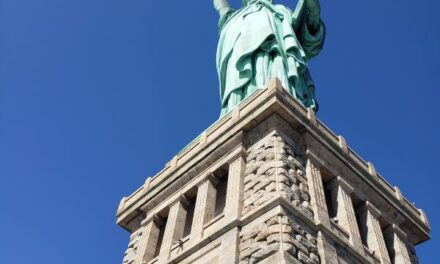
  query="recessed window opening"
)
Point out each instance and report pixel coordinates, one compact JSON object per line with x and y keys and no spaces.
{"x":190,"y":207}
{"x":160,"y":223}
{"x":221,"y":192}
{"x":361,"y":219}
{"x":330,"y":201}
{"x":389,"y":241}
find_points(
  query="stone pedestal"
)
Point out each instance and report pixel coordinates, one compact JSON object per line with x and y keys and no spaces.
{"x":270,"y":183}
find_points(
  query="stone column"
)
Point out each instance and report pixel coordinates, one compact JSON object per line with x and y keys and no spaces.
{"x":317,"y":195}
{"x":204,"y":208}
{"x":375,"y":241}
{"x":345,"y":214}
{"x":396,"y":244}
{"x":234,"y":193}
{"x":147,"y":242}
{"x":174,"y":228}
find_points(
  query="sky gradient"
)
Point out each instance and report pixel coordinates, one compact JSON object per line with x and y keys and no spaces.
{"x":95,"y":96}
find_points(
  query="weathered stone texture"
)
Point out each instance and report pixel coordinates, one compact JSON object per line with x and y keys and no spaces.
{"x":278,"y":234}
{"x":275,"y":168}
{"x":130,"y":253}
{"x":344,"y":257}
{"x":333,"y":209}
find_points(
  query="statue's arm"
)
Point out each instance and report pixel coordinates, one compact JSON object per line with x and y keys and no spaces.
{"x":222,"y":7}
{"x":312,"y":29}
{"x":313,"y":19}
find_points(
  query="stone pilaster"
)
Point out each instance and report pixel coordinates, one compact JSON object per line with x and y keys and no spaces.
{"x":326,"y":249}
{"x":147,"y":243}
{"x":204,"y":208}
{"x":174,"y":228}
{"x":234,"y":195}
{"x":229,"y":247}
{"x":396,"y":244}
{"x":345,"y":214}
{"x":317,"y":194}
{"x":321,"y":216}
{"x":375,"y":241}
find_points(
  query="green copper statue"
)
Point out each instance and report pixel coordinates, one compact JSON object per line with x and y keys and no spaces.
{"x":261,"y":41}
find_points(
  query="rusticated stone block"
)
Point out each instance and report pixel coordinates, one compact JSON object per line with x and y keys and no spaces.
{"x":131,"y":252}
{"x":278,"y":233}
{"x":274,"y":168}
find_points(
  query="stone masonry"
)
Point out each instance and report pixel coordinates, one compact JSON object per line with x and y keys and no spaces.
{"x":279,"y":233}
{"x":270,"y":183}
{"x":130,"y":253}
{"x":275,"y":169}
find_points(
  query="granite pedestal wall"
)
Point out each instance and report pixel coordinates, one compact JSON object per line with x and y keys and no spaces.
{"x":270,"y":183}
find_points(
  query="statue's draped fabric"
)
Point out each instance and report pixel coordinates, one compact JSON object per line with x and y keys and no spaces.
{"x":257,"y":43}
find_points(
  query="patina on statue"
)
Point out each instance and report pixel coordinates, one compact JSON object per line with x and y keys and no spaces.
{"x":261,"y":41}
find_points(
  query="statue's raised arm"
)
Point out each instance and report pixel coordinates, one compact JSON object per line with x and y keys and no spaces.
{"x":222,"y":6}
{"x":261,"y":41}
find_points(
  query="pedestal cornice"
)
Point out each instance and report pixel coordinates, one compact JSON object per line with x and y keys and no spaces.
{"x":227,"y":133}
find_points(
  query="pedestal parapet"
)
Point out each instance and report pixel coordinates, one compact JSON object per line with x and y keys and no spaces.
{"x":270,"y":183}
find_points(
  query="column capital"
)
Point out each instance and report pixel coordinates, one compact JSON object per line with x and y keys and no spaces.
{"x":157,"y":220}
{"x":340,"y":182}
{"x":182,"y":199}
{"x":314,"y":159}
{"x":240,"y":150}
{"x":393,"y":228}
{"x":212,"y":178}
{"x":153,"y":218}
{"x":147,"y":220}
{"x":372,"y":209}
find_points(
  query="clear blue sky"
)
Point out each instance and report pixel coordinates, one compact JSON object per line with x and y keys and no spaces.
{"x":96,"y":95}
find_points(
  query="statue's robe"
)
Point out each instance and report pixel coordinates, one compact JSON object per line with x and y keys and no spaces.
{"x":258,"y":42}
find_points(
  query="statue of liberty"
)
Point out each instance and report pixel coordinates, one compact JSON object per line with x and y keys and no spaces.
{"x":261,"y":41}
